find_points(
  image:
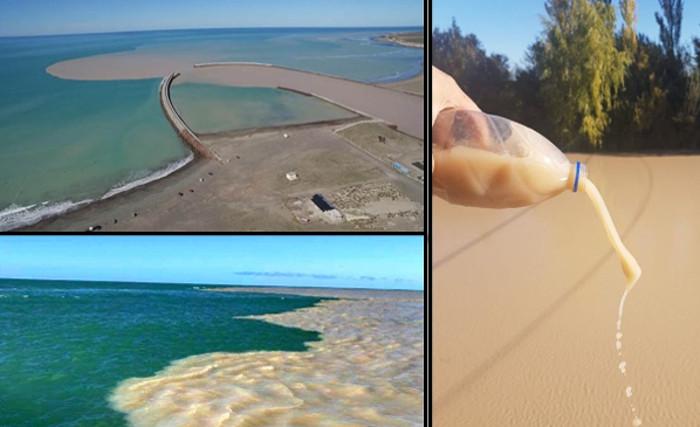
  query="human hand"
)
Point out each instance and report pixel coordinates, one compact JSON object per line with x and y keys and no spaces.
{"x":447,"y":94}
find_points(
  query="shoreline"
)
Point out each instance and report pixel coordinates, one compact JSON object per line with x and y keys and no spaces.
{"x":47,"y":220}
{"x":394,"y":38}
{"x":165,"y":30}
{"x":321,"y":292}
{"x":87,"y":68}
{"x":367,"y":369}
{"x":96,"y":204}
{"x":119,"y":190}
{"x":207,"y":195}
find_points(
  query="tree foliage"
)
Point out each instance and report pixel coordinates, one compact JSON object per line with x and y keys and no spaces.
{"x":582,"y":67}
{"x":670,"y":25}
{"x":584,"y":84}
{"x":628,"y":10}
{"x":468,"y":63}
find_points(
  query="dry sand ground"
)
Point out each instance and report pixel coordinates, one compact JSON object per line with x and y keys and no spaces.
{"x":525,"y":303}
{"x":249,"y":190}
{"x":367,"y":370}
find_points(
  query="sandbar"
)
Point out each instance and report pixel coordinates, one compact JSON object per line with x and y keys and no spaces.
{"x":411,"y":39}
{"x":402,"y":109}
{"x":128,"y":65}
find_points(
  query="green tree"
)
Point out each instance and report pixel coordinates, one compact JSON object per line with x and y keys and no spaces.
{"x":486,"y":78}
{"x":583,"y":85}
{"x":641,"y":107}
{"x":451,"y":51}
{"x":673,"y":75}
{"x":628,"y":10}
{"x":582,"y":68}
{"x":670,"y":25}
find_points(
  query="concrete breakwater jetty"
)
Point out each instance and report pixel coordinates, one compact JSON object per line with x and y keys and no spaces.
{"x":176,"y":121}
{"x":403,"y":110}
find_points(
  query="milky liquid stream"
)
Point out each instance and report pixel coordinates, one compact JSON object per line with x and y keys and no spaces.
{"x":632,"y":272}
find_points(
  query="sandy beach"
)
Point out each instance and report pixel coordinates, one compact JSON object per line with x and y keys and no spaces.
{"x":366,"y":370}
{"x":248,"y":189}
{"x":243,"y":186}
{"x":525,"y":304}
{"x":415,"y":40}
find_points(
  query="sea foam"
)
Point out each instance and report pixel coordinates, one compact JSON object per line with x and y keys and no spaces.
{"x":15,"y":216}
{"x":367,"y":370}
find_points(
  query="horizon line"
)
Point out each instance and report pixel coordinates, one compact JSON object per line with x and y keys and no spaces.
{"x":202,"y":28}
{"x":208,"y":284}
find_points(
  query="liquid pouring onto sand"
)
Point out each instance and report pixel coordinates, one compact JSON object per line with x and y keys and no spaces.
{"x":488,"y":161}
{"x":632,"y":273}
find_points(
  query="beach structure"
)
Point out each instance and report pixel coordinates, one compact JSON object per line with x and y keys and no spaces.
{"x":400,"y":110}
{"x":401,"y":168}
{"x":321,"y":202}
{"x":183,"y":131}
{"x":329,"y":212}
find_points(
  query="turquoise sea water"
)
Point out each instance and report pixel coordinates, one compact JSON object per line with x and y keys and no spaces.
{"x":211,"y":108}
{"x":65,"y":345}
{"x":63,"y":143}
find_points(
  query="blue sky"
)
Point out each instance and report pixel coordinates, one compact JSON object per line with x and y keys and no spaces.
{"x":384,"y":262}
{"x":510,"y":26}
{"x":32,"y":17}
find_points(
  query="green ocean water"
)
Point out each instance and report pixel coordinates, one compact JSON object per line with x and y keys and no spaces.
{"x":65,"y":345}
{"x":211,"y":108}
{"x":66,"y":143}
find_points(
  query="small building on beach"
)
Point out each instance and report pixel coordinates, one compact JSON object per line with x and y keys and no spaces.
{"x":321,"y":202}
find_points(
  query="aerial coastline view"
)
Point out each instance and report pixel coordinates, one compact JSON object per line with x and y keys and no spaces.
{"x":247,"y":337}
{"x":263,"y":124}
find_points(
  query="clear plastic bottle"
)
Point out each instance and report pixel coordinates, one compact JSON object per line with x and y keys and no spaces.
{"x":489,"y":161}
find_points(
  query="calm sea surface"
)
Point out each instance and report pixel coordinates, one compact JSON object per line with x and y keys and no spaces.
{"x":64,"y":346}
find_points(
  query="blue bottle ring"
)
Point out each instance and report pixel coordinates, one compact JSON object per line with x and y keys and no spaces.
{"x":578,"y":173}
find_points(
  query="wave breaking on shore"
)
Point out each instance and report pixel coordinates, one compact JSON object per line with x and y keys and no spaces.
{"x":16,"y":216}
{"x":367,"y":370}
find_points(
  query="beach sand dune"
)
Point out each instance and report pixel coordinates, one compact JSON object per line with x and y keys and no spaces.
{"x":525,"y":304}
